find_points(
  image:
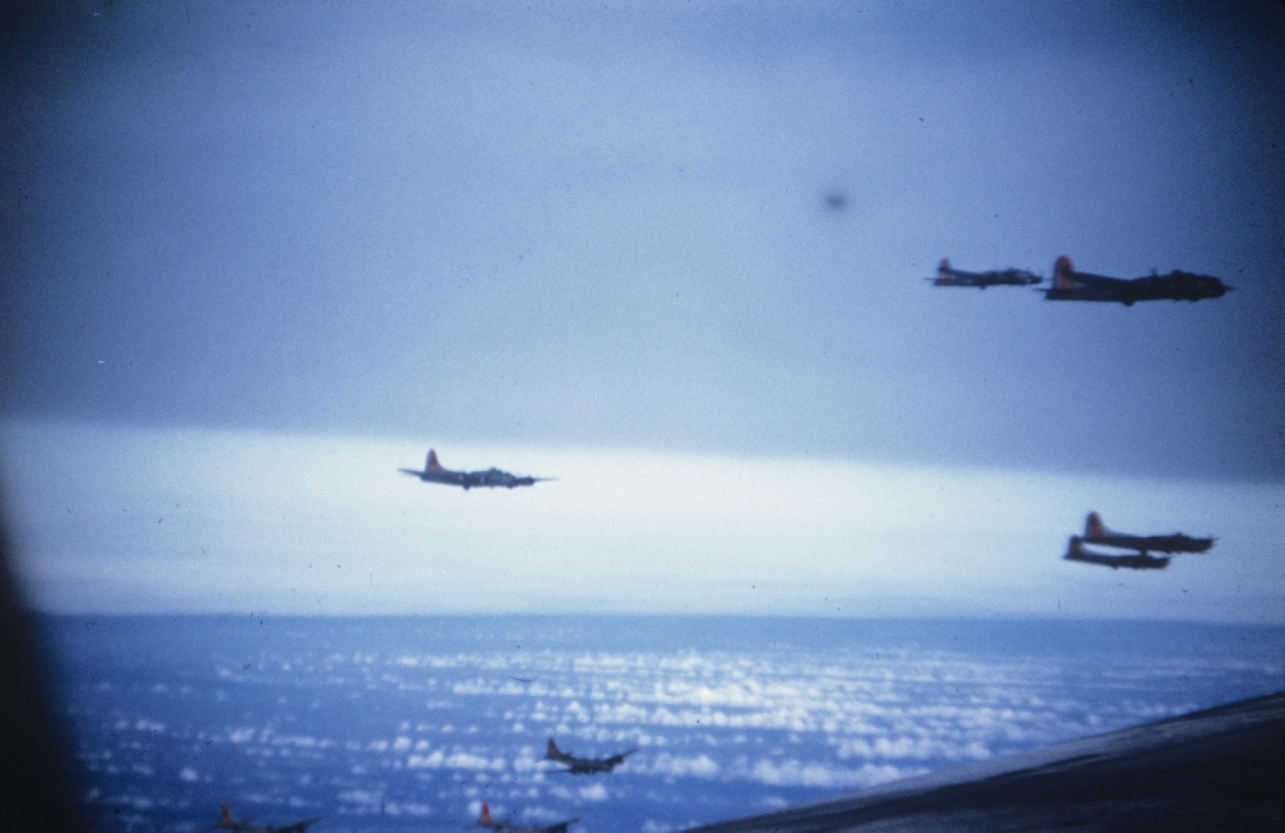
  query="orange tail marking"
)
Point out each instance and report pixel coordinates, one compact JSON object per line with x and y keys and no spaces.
{"x":226,"y":821}
{"x":553,"y":752}
{"x":1062,"y":273}
{"x":432,"y":460}
{"x":1093,"y":527}
{"x":486,"y":815}
{"x":943,"y":269}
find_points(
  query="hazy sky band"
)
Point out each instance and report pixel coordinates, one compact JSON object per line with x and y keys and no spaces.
{"x":169,"y":521}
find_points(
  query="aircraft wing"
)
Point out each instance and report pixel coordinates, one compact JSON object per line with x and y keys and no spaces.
{"x":1076,"y":552}
{"x":1098,"y":281}
{"x":560,"y":827}
{"x":1218,"y":769}
{"x":1182,"y":543}
{"x":299,"y":826}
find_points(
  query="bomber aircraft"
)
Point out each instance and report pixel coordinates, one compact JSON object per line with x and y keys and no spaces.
{"x":228,"y":822}
{"x":492,"y":477}
{"x":584,"y":766}
{"x":948,"y":276}
{"x":1095,"y":532}
{"x":508,"y":827}
{"x":1070,"y":285}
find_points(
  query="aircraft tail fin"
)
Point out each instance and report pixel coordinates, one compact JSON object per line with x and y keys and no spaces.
{"x":1062,"y":271}
{"x":227,"y":820}
{"x":943,"y":270}
{"x":485,"y":820}
{"x":431,"y":464}
{"x":554,"y":753}
{"x":1093,"y":526}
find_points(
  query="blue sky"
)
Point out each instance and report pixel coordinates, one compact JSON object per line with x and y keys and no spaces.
{"x":588,"y":241}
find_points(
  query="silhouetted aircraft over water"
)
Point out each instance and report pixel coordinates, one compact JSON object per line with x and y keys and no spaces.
{"x":584,"y":766}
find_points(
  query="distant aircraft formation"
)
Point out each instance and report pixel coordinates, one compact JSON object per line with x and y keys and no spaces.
{"x":584,"y":766}
{"x":1070,"y":285}
{"x":492,"y":477}
{"x":1096,"y":533}
{"x":229,"y":822}
{"x":576,"y":766}
{"x":1067,"y":285}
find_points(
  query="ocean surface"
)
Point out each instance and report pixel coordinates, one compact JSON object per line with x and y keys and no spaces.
{"x":397,"y":724}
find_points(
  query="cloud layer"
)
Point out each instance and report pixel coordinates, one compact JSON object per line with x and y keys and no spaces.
{"x":426,"y":718}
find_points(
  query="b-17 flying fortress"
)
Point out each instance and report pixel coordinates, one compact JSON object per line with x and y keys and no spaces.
{"x":1096,"y":533}
{"x":949,"y":276}
{"x":1070,"y":285}
{"x":492,"y":477}
{"x":584,"y":766}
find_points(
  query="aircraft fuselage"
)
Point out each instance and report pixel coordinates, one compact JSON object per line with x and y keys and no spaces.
{"x":1141,"y":561}
{"x":1168,"y":544}
{"x":580,"y":766}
